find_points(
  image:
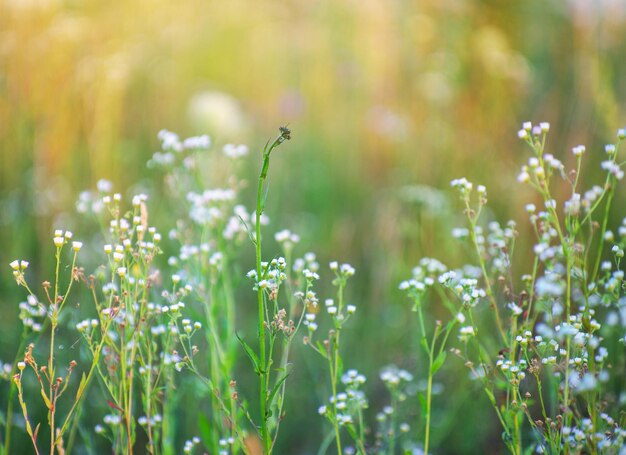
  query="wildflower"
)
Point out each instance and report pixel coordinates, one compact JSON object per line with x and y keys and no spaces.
{"x":462,"y":184}
{"x":235,"y":151}
{"x":579,"y":150}
{"x":76,"y":246}
{"x":466,"y":332}
{"x":523,"y":177}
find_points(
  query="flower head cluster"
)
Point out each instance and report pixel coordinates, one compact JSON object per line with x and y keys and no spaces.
{"x":346,"y":407}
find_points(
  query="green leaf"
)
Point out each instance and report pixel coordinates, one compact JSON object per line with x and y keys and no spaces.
{"x":424,"y":344}
{"x":339,"y":365}
{"x":204,"y":427}
{"x":352,"y":432}
{"x":251,"y":354}
{"x":492,"y":398}
{"x":81,"y":386}
{"x":45,"y":399}
{"x":274,"y":391}
{"x":322,"y":349}
{"x":438,"y":362}
{"x":423,"y":405}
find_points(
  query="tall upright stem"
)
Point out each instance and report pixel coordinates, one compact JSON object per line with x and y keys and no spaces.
{"x":263,"y":361}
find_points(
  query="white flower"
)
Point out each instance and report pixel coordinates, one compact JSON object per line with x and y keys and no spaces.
{"x":104,"y":186}
{"x":523,"y":177}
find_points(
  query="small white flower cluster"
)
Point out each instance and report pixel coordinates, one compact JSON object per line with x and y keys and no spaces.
{"x":87,"y":325}
{"x":528,"y":129}
{"x":171,"y":145}
{"x":394,"y":377}
{"x":236,"y":226}
{"x":342,"y":273}
{"x":498,"y":243}
{"x":31,"y":313}
{"x":112,"y":419}
{"x":207,"y":208}
{"x":465,"y":333}
{"x":613,"y":168}
{"x":608,"y":437}
{"x":189,"y":327}
{"x":514,"y":372}
{"x":88,"y":202}
{"x":5,"y":370}
{"x":62,"y":237}
{"x":345,"y":270}
{"x":463,"y":185}
{"x":235,"y":151}
{"x":190,"y":444}
{"x":286,"y":239}
{"x":348,"y":404}
{"x":540,"y":169}
{"x":308,"y":262}
{"x":225,"y":444}
{"x":353,"y":378}
{"x":19,"y":266}
{"x":272,"y":275}
{"x":550,"y":285}
{"x":465,"y":288}
{"x":154,"y":420}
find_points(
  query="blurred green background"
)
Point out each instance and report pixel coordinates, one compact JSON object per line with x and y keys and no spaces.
{"x":387,"y":100}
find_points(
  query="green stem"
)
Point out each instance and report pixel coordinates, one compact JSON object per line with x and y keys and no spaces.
{"x":429,"y":389}
{"x":263,"y":361}
{"x":12,"y":390}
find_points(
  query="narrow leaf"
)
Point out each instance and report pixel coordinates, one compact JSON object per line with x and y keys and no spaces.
{"x":424,"y":344}
{"x":422,"y":403}
{"x":81,"y":386}
{"x":46,"y":400}
{"x":322,"y":349}
{"x":251,"y":354}
{"x":276,"y":388}
{"x":204,"y":427}
{"x":438,"y":362}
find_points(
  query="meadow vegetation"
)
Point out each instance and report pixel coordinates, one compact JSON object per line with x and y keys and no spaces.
{"x":326,"y":291}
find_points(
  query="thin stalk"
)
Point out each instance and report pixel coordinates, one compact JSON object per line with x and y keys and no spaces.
{"x":13,"y":389}
{"x":429,"y":389}
{"x":263,"y":361}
